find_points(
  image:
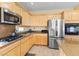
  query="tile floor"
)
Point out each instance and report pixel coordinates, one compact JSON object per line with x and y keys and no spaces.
{"x":43,"y":51}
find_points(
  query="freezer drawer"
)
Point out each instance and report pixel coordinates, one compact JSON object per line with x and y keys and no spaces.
{"x":52,"y":43}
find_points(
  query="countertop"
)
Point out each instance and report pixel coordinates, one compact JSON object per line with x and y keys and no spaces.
{"x":24,"y":36}
{"x":70,"y":48}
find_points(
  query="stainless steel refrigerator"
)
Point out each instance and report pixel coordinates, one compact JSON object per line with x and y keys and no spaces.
{"x":55,"y":32}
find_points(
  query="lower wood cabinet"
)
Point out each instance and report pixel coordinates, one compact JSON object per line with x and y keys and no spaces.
{"x":21,"y":47}
{"x":41,"y":40}
{"x":26,"y":44}
{"x":14,"y":52}
{"x":7,"y":49}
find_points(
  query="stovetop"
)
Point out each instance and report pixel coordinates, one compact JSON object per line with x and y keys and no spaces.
{"x":10,"y":38}
{"x":6,"y":40}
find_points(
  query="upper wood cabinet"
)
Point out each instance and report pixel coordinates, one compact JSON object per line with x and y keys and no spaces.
{"x":8,"y":5}
{"x":67,"y":15}
{"x":38,"y":21}
{"x":25,"y":18}
{"x":75,"y":15}
{"x":17,"y":9}
{"x":41,"y":20}
{"x":71,"y":16}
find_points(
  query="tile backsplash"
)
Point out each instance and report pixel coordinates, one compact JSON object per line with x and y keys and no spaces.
{"x":6,"y":29}
{"x":27,"y":28}
{"x":38,"y":28}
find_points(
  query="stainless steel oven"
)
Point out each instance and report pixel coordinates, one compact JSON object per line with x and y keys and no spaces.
{"x":9,"y":17}
{"x":72,"y":29}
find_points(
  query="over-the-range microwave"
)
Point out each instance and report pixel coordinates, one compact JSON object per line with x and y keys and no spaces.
{"x":9,"y":17}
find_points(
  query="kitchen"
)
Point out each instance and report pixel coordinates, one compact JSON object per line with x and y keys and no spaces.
{"x":28,"y":28}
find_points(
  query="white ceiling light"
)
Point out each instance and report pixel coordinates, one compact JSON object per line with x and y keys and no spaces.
{"x":32,"y":3}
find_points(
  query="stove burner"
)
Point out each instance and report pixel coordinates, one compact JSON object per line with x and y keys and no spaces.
{"x":10,"y":38}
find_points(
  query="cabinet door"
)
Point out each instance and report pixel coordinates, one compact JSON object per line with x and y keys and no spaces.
{"x":14,"y":52}
{"x":71,"y":16}
{"x":41,"y":40}
{"x":17,"y":9}
{"x":23,"y":49}
{"x":26,"y":44}
{"x":7,"y":48}
{"x":25,"y":18}
{"x":23,"y":46}
{"x":69,"y":38}
{"x":8,"y":5}
{"x":67,"y":15}
{"x":38,"y":40}
{"x":75,"y":15}
{"x":38,"y":20}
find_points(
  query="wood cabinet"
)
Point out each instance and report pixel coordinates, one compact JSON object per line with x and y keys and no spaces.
{"x":72,"y":38}
{"x":18,"y":48}
{"x":44,"y":40}
{"x":26,"y":44}
{"x":25,"y":18}
{"x":21,"y":47}
{"x":14,"y":52}
{"x":71,"y":16}
{"x":8,"y":5}
{"x":40,"y":39}
{"x":17,"y":9}
{"x":8,"y":49}
{"x":67,"y":15}
{"x":41,"y":20}
{"x":75,"y":15}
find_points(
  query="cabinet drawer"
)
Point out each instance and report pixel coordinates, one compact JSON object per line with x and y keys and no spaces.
{"x":14,"y":52}
{"x":7,"y":48}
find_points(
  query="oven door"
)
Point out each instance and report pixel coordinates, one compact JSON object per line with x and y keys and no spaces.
{"x":71,"y":29}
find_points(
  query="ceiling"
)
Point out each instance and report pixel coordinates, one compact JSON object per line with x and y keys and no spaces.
{"x":47,"y":6}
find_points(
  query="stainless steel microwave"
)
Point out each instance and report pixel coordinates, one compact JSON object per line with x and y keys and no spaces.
{"x":9,"y":17}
